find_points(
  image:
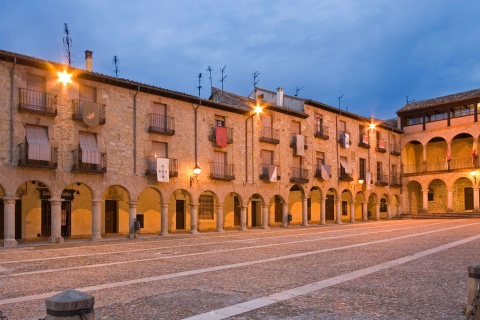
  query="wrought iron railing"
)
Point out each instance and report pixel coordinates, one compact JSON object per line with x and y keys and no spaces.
{"x":264,"y":172}
{"x":299,"y":175}
{"x":37,"y":102}
{"x":151,"y":165}
{"x":293,"y":141}
{"x":222,"y":171}
{"x":269,"y":135}
{"x":161,"y":124}
{"x":78,"y":165}
{"x":322,"y":133}
{"x":319,"y":174}
{"x":382,"y":179}
{"x":213,"y":134}
{"x":78,"y":110}
{"x":381,"y":146}
{"x":395,"y":181}
{"x":395,"y":149}
{"x":25,"y":161}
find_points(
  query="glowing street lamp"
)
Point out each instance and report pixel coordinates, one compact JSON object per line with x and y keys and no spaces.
{"x":64,"y":77}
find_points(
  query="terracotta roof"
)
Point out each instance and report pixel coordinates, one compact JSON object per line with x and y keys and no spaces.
{"x":425,"y":104}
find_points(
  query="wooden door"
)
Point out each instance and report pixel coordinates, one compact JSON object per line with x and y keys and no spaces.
{"x":46,"y":212}
{"x":278,"y":209}
{"x":254,"y":213}
{"x":236,"y":211}
{"x":468,"y":198}
{"x":66,"y":218}
{"x":330,"y":208}
{"x":111,"y":216}
{"x":180,"y":214}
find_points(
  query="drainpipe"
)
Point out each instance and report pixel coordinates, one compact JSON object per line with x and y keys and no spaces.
{"x":246,"y":153}
{"x":253,"y":157}
{"x":12,"y":89}
{"x":135,"y":131}
{"x":338,"y":157}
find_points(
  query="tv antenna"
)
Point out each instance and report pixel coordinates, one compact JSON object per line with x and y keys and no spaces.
{"x":408,"y":101}
{"x":115,"y":63}
{"x":339,"y":101}
{"x":67,"y":42}
{"x":297,"y":90}
{"x":222,"y":79}
{"x":209,"y":69}
{"x":255,"y":76}
{"x":199,"y":83}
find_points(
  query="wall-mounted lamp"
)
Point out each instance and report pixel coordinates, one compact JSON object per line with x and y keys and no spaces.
{"x":64,"y":77}
{"x":372,"y":125}
{"x":474,"y":175}
{"x":360,"y":181}
{"x":196,"y":172}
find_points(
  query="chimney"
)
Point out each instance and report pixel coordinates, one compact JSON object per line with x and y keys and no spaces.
{"x":88,"y":60}
{"x":280,"y":97}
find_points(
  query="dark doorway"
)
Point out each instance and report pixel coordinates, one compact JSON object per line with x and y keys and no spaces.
{"x":110,"y":216}
{"x":278,"y":209}
{"x":180,"y":214}
{"x":330,"y":207}
{"x":254,"y":213}
{"x":309,"y":209}
{"x":468,"y":198}
{"x":46,"y":218}
{"x":66,"y":218}
{"x":236,"y":211}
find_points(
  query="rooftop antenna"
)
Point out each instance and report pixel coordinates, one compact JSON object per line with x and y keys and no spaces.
{"x":408,"y":101}
{"x":222,"y":79}
{"x":339,"y":101}
{"x":199,"y":83}
{"x":209,"y":69}
{"x":255,"y":76}
{"x":67,"y":42}
{"x":115,"y":62}
{"x":297,"y":90}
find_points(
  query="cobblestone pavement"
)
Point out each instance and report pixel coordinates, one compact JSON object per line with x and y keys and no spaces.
{"x":398,"y":269}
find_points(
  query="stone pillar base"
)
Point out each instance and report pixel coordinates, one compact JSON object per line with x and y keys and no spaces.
{"x":164,"y":234}
{"x":264,"y":228}
{"x":9,"y":243}
{"x":193,"y":231}
{"x":242,"y":229}
{"x":97,"y":238}
{"x":56,"y":240}
{"x":220,"y":231}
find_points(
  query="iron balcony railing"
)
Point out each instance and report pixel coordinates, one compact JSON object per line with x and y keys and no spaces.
{"x":151,"y":164}
{"x":293,"y":141}
{"x":222,"y":171}
{"x":25,"y":161}
{"x":78,"y":165}
{"x":264,"y":173}
{"x":213,"y":134}
{"x":319,"y":174}
{"x":363,"y":141}
{"x":382,"y":179}
{"x":437,"y":165}
{"x":322,"y":133}
{"x":412,"y":168}
{"x":269,"y":135}
{"x":161,"y":124}
{"x":395,"y":149}
{"x":78,"y":110}
{"x":381,"y":146}
{"x":299,"y":175}
{"x":37,"y":102}
{"x":461,"y":163}
{"x":395,"y":181}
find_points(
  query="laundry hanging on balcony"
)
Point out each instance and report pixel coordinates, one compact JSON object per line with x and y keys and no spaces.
{"x":221,"y":136}
{"x":38,"y":144}
{"x":272,"y":173}
{"x":300,"y":145}
{"x":163,"y":172}
{"x":325,"y":170}
{"x":91,"y":113}
{"x":346,"y":167}
{"x":88,"y":145}
{"x":368,"y":178}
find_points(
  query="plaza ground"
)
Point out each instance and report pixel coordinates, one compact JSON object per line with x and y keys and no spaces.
{"x":396,"y":269}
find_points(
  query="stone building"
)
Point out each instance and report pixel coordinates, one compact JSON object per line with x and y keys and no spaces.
{"x":439,"y":157}
{"x":89,"y":157}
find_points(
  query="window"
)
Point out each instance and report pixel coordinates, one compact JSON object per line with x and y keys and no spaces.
{"x":295,"y":127}
{"x":87,"y":93}
{"x":220,"y":161}
{"x":267,"y":125}
{"x":362,"y":167}
{"x":379,"y":171}
{"x":38,"y":146}
{"x":89,"y":148}
{"x":344,"y":167}
{"x":343,"y":126}
{"x":344,"y":208}
{"x":430,"y":195}
{"x":267,"y":156}
{"x":319,"y":123}
{"x":205,"y":207}
{"x":159,"y":117}
{"x":320,"y":158}
{"x":297,"y":162}
{"x":383,"y":205}
{"x":219,"y":121}
{"x":159,"y":149}
{"x":35,"y":97}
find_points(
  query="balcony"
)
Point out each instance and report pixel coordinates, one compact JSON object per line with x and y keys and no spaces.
{"x":381,"y":146}
{"x":299,"y":175}
{"x":78,"y":110}
{"x":363,"y":141}
{"x":269,"y":135}
{"x":265,"y":176}
{"x":382,"y":179}
{"x":395,"y":181}
{"x":37,"y":102}
{"x":213,"y":134}
{"x":395,"y":149}
{"x":24,"y":161}
{"x":161,"y":124}
{"x":439,"y":165}
{"x":151,"y":164}
{"x":322,"y":133}
{"x":293,"y":141}
{"x":319,"y":174}
{"x":80,"y":166}
{"x":222,"y":171}
{"x":461,"y":163}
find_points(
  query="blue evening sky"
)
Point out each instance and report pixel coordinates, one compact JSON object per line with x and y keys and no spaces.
{"x":373,"y":52}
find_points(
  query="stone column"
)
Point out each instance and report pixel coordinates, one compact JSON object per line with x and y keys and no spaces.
{"x":352,"y":212}
{"x":284,"y":214}
{"x":304,"y":212}
{"x":338,"y":212}
{"x":322,"y":211}
{"x":425,"y":201}
{"x":424,"y":159}
{"x":220,"y":218}
{"x":365,"y":211}
{"x":389,"y":212}
{"x":377,"y":211}
{"x":475,"y":199}
{"x":96,"y":220}
{"x":164,"y":219}
{"x":193,"y":218}
{"x":449,"y":200}
{"x":56,"y":224}
{"x":264,"y":217}
{"x":132,"y":215}
{"x":9,"y":222}
{"x":243,"y":218}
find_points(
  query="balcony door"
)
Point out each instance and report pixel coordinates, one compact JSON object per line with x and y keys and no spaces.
{"x":180,"y":214}
{"x":220,"y":160}
{"x":330,"y":207}
{"x":159,"y":118}
{"x":110,"y":216}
